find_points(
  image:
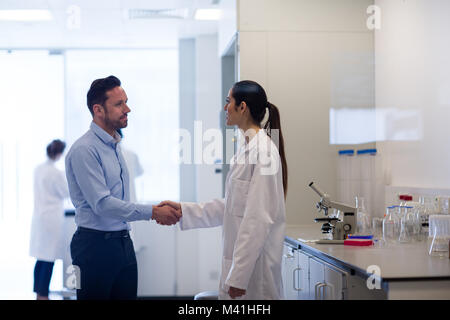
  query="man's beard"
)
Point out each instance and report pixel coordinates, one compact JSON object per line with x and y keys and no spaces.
{"x":117,"y":124}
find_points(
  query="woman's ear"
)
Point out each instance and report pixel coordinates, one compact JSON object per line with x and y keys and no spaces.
{"x":243,"y":106}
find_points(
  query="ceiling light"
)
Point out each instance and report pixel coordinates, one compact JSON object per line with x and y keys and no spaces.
{"x":158,"y":14}
{"x":25,"y":15}
{"x":207,"y":14}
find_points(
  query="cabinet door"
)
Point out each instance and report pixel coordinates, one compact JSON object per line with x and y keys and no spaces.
{"x":290,"y":267}
{"x":335,"y":283}
{"x":316,"y":279}
{"x":303,"y":276}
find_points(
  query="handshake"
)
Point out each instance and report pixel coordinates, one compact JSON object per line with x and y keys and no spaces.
{"x":167,"y":212}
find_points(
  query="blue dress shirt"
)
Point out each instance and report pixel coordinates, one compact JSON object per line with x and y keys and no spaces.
{"x":99,"y":183}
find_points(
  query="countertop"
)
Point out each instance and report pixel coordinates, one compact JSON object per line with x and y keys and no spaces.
{"x":396,"y":262}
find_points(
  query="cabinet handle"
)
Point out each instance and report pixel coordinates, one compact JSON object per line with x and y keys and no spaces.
{"x":344,"y":274}
{"x":322,"y":295}
{"x":300,"y":278}
{"x":293,"y":273}
{"x":317,"y":290}
{"x":324,"y":292}
{"x":331,"y":286}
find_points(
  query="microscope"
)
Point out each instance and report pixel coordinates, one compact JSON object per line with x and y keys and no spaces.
{"x":339,"y":229}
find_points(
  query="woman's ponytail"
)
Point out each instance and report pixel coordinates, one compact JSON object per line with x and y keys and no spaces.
{"x":273,"y":122}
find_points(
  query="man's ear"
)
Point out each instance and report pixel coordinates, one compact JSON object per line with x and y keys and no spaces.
{"x":97,"y":108}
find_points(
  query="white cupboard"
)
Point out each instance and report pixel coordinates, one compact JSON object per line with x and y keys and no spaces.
{"x":309,"y":278}
{"x":295,"y":274}
{"x":302,"y":273}
{"x":289,"y":266}
{"x":327,"y":282}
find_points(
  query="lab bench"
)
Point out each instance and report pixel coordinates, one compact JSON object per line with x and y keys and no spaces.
{"x":339,"y":272}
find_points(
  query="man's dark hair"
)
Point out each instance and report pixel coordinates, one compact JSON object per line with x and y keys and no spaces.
{"x":55,"y":148}
{"x":97,"y":91}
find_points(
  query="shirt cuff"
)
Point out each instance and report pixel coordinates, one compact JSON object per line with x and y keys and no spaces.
{"x":145,"y":210}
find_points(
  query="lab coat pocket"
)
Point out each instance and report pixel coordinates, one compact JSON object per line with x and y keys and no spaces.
{"x":239,"y":194}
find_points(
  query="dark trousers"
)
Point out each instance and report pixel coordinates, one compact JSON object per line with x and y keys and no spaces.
{"x":107,"y":264}
{"x":42,"y":276}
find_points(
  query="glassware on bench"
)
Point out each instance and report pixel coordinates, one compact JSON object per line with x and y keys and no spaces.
{"x":391,"y":225}
{"x":362,"y":217}
{"x":440,"y":235}
{"x":377,"y":231}
{"x":409,"y":226}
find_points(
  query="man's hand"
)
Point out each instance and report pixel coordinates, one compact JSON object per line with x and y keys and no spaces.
{"x":173,"y":204}
{"x":166,"y":215}
{"x":235,"y":292}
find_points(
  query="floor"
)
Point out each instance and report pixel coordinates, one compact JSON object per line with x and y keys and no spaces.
{"x":17,"y":267}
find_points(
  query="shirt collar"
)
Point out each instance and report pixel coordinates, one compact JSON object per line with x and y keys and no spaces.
{"x":253,"y":142}
{"x":105,"y":136}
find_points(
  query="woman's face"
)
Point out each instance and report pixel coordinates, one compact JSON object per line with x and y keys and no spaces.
{"x":231,"y":112}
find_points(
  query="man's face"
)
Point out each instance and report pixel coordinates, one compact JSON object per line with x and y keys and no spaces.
{"x":116,"y":109}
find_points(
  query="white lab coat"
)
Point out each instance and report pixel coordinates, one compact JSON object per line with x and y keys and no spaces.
{"x":47,"y":227}
{"x":253,"y":219}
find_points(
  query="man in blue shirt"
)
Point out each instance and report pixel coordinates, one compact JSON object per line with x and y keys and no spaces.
{"x":99,"y":189}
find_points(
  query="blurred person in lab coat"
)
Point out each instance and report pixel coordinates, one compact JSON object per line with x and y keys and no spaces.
{"x":46,"y":240}
{"x":253,"y":211}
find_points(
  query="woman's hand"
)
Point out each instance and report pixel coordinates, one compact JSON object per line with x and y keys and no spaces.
{"x":174,"y":208}
{"x":173,"y":204}
{"x":235,"y":292}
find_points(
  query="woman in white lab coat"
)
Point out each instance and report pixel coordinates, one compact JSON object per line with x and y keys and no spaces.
{"x":46,"y":240}
{"x":253,"y":211}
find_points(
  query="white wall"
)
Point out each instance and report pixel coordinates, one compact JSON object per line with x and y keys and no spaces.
{"x":412,"y":52}
{"x":227,"y":24}
{"x":208,"y":183}
{"x":293,"y":49}
{"x":187,"y":241}
{"x":199,"y":251}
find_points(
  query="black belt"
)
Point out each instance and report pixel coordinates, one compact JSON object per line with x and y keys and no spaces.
{"x":106,"y":234}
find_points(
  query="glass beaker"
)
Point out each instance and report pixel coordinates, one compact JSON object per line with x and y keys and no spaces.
{"x":391,"y":226}
{"x":440,"y":235}
{"x":377,"y":230}
{"x":439,"y":244}
{"x":427,"y":208}
{"x":408,"y":225}
{"x":362,"y":217}
{"x":443,"y":204}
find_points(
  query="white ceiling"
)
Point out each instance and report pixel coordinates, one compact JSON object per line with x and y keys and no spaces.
{"x":103,"y":24}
